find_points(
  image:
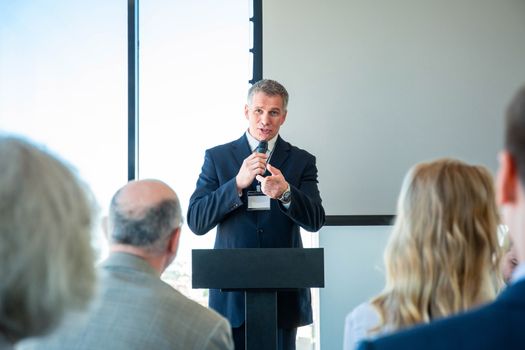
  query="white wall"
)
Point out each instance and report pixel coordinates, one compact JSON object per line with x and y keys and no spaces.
{"x":377,"y":85}
{"x":353,"y":273}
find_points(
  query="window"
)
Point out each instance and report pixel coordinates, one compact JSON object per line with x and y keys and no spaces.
{"x":194,"y":70}
{"x":63,"y":83}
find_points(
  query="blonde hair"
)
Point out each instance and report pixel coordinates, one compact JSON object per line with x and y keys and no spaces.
{"x":46,"y":258}
{"x":443,"y":253}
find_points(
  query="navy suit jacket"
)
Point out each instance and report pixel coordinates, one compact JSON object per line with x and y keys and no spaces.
{"x":498,"y":325}
{"x":216,"y":202}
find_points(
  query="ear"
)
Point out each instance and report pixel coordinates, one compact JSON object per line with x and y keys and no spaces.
{"x":173,"y":243}
{"x":247,"y":112}
{"x":507,"y":184}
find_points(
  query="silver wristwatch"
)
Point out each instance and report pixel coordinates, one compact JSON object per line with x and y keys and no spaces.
{"x":286,"y":197}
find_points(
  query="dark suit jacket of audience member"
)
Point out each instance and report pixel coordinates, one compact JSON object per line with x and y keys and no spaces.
{"x":498,"y":325}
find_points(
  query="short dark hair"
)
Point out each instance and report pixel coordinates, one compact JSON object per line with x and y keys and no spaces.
{"x":515,"y":131}
{"x":270,"y":88}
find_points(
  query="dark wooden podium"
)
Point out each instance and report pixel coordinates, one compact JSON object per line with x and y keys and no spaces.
{"x":260,"y":273}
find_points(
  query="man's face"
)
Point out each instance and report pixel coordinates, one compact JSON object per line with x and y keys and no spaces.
{"x":511,"y":198}
{"x":509,"y":262}
{"x":265,"y":115}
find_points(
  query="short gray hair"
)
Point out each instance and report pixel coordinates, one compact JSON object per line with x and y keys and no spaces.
{"x":150,"y":231}
{"x":46,"y":259}
{"x":270,"y":88}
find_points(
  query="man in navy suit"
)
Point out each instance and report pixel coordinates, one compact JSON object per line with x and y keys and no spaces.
{"x":259,"y":197}
{"x":500,"y":324}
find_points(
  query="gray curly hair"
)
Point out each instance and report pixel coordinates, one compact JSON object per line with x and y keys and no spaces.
{"x":46,"y":259}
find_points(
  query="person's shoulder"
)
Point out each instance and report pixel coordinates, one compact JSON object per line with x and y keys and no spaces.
{"x":483,"y":328}
{"x":295,"y":150}
{"x":188,"y":307}
{"x":360,"y":324}
{"x":514,"y":291}
{"x":228,"y":145}
{"x":363,"y":310}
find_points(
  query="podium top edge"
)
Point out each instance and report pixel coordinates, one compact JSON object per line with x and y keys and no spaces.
{"x":265,"y":249}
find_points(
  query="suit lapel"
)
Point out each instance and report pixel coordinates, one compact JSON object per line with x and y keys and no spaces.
{"x":240,"y":150}
{"x":280,"y":153}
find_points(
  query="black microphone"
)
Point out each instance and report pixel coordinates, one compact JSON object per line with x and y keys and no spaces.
{"x":262,"y":147}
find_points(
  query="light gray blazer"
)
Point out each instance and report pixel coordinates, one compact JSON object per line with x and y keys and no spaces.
{"x":136,"y":310}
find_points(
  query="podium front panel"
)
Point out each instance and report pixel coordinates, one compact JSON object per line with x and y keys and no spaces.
{"x":258,"y":268}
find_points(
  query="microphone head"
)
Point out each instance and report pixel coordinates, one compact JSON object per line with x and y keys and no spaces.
{"x":262,"y":147}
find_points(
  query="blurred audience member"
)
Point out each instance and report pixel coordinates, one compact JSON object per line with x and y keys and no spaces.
{"x":46,"y":260}
{"x":135,"y":308}
{"x":443,"y":252}
{"x":500,"y":324}
{"x":509,"y":260}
